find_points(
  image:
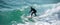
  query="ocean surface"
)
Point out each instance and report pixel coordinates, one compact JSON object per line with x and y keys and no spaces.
{"x":16,"y":12}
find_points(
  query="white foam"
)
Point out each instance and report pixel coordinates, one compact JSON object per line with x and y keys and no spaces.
{"x":48,"y":18}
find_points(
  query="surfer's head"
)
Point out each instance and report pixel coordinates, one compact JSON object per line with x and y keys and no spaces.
{"x":31,"y":7}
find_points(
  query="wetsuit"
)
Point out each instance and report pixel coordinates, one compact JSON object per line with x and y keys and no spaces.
{"x":33,"y":11}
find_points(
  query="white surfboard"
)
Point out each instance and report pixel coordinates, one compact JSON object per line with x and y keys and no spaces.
{"x":29,"y":16}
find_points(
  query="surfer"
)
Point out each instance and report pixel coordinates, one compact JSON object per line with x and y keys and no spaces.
{"x":33,"y":11}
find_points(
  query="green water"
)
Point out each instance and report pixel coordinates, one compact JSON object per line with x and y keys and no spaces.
{"x":7,"y":16}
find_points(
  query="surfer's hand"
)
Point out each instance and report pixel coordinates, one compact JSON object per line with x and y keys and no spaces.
{"x":29,"y":12}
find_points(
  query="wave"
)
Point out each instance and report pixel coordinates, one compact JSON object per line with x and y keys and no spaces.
{"x":48,"y":14}
{"x":49,"y":17}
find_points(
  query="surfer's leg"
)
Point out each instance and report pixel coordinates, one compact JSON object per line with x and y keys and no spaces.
{"x":31,"y":14}
{"x":35,"y":14}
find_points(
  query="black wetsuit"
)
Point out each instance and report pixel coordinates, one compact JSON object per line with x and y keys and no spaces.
{"x":33,"y":11}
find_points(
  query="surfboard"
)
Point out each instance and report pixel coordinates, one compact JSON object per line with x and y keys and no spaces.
{"x":29,"y":17}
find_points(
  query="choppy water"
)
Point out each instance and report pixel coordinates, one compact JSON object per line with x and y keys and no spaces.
{"x":17,"y":13}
